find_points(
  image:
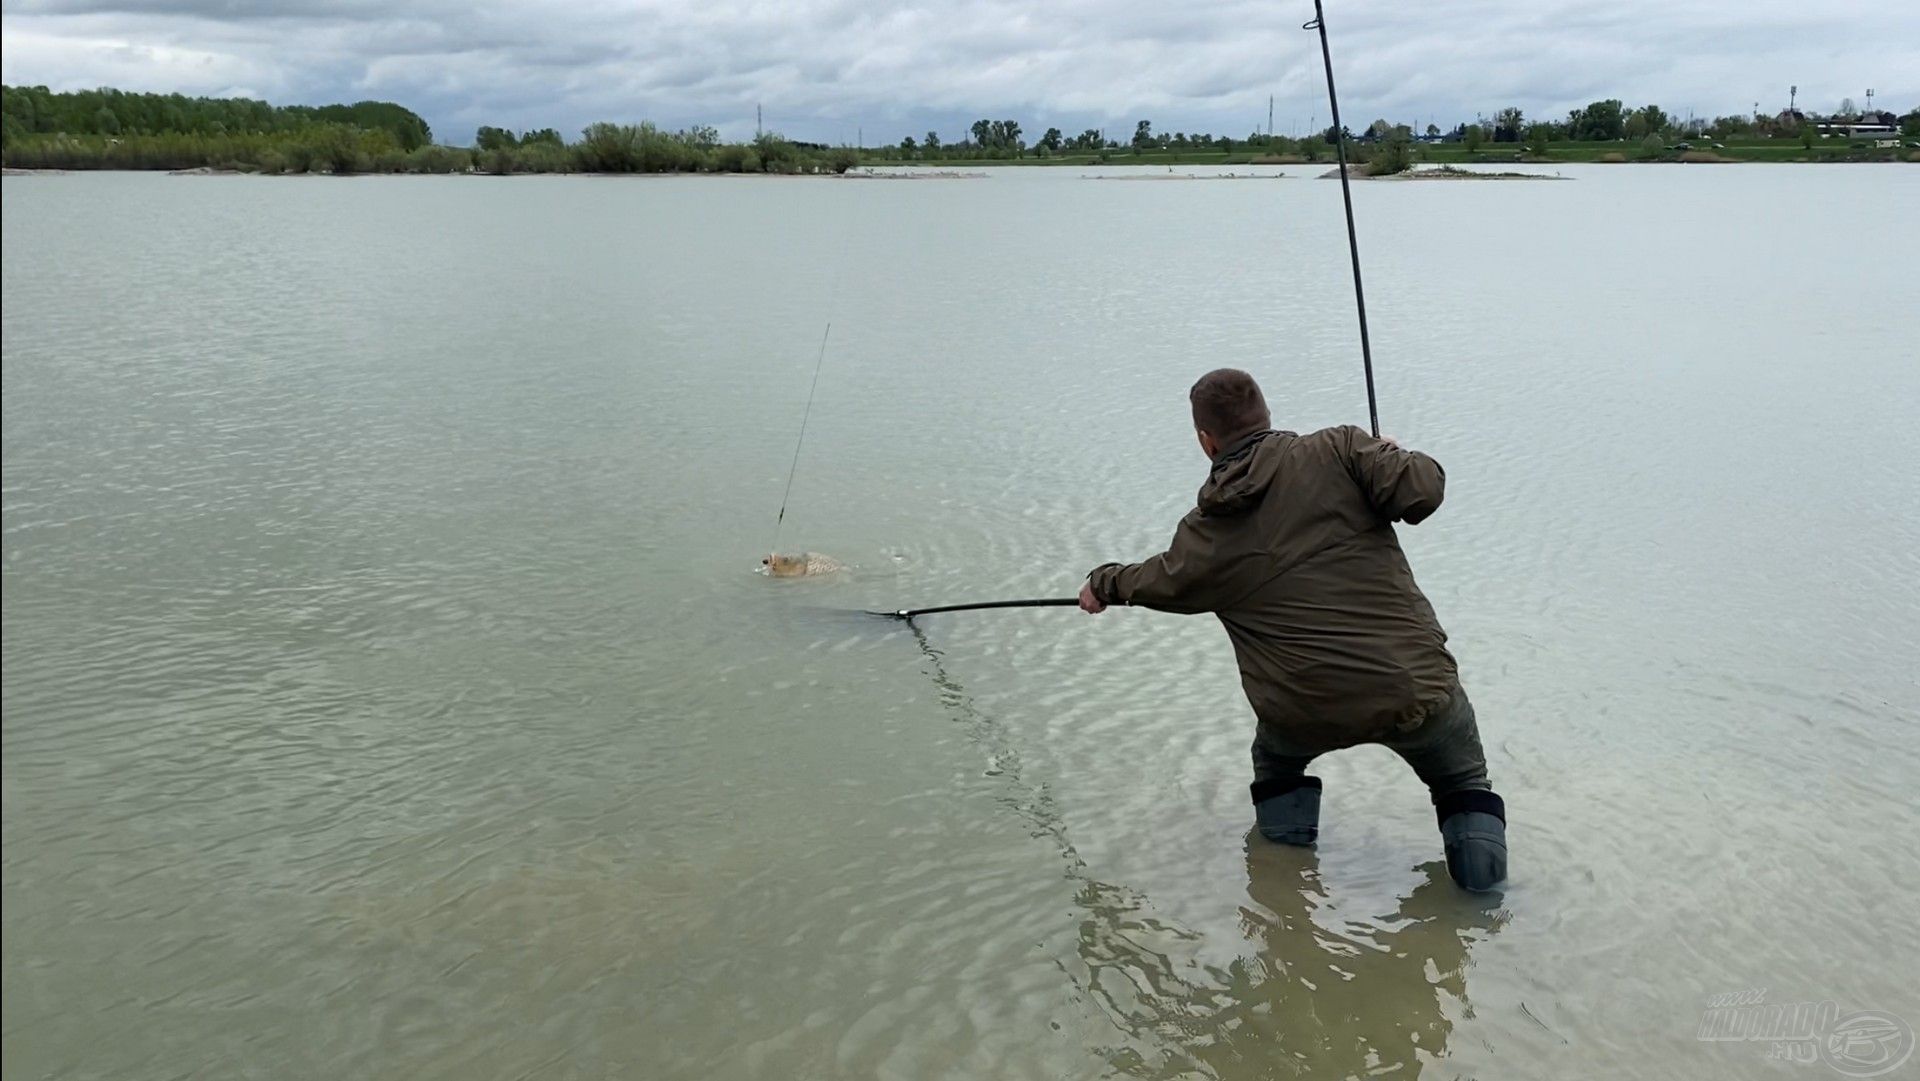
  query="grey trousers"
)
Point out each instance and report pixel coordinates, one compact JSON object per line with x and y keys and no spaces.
{"x":1444,"y":750}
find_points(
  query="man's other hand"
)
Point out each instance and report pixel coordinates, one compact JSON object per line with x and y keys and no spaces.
{"x":1089,"y":603}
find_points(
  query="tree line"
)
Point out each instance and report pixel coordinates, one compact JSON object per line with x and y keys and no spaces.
{"x":34,"y":110}
{"x":1609,"y":120}
{"x":111,"y":129}
{"x":108,"y":129}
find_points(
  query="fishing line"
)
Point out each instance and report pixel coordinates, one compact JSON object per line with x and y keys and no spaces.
{"x":833,"y":297}
{"x":806,"y":413}
{"x":1346,"y":194}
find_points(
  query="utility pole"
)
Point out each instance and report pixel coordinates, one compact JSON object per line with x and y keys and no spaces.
{"x":859,"y":137}
{"x":1270,"y":114}
{"x":1793,"y":95}
{"x":757,"y":130}
{"x":1870,"y":102}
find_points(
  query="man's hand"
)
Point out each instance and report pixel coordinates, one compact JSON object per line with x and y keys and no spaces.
{"x":1089,"y":603}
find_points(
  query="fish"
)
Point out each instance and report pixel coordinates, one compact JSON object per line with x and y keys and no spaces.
{"x":803,"y":565}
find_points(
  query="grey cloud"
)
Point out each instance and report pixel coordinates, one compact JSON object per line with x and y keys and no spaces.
{"x":825,"y":67}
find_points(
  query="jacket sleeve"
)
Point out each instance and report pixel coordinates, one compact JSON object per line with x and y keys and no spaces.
{"x":1404,"y":485}
{"x":1188,"y":577}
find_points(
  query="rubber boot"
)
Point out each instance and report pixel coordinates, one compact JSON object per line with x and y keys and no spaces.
{"x":1287,"y":809}
{"x":1473,"y":827}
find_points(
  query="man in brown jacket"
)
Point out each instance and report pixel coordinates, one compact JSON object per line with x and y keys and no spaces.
{"x":1292,"y":546}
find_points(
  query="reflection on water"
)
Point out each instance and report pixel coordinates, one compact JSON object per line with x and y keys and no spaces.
{"x":1317,"y":995}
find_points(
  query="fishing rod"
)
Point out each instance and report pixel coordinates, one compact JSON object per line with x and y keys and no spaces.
{"x":1346,"y":194}
{"x":1360,"y":301}
{"x":909,"y":614}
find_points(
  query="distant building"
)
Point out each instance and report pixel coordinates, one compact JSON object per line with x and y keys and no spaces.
{"x":1859,"y":130}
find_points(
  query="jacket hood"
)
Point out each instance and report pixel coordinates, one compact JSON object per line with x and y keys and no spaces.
{"x":1242,"y":474}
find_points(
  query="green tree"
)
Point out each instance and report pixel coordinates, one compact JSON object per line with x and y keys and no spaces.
{"x":1142,"y":136}
{"x":489,"y":138}
{"x":932,"y":143}
{"x":1433,"y":131}
{"x":1394,"y":155}
{"x":1656,"y":118}
{"x":1052,"y":141}
{"x":1508,"y":125}
{"x":1473,"y":137}
{"x":105,"y":122}
{"x":907,"y":147}
{"x":1807,"y":136}
{"x":1601,"y":121}
{"x":1537,"y":138}
{"x":1728,"y":127}
{"x":1314,"y":147}
{"x":982,"y":132}
{"x":1652,"y":147}
{"x":1910,"y":124}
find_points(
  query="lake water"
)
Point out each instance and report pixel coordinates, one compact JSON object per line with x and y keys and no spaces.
{"x":389,"y":692}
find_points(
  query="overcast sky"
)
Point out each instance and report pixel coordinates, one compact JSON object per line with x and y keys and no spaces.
{"x":825,"y":69}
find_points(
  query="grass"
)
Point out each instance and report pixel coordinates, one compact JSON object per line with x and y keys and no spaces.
{"x":1823,"y":150}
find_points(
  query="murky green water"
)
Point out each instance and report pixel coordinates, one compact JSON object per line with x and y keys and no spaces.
{"x":387,"y":692}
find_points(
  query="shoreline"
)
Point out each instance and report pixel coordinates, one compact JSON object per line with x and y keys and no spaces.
{"x":1423,"y":171}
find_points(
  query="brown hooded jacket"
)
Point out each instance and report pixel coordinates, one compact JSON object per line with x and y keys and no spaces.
{"x":1292,"y":546}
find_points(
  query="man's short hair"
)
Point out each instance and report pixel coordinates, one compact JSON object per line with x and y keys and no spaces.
{"x":1227,"y":404}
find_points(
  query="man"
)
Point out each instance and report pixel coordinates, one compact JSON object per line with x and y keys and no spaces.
{"x":1292,"y":546}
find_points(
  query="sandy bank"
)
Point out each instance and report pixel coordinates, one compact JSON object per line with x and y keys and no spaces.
{"x":1440,"y":172}
{"x":1190,"y":176}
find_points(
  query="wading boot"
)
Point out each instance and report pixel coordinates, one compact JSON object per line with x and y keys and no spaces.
{"x":1287,"y":809}
{"x":1473,"y":827}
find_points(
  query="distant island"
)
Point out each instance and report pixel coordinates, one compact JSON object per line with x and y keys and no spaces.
{"x":111,"y":129}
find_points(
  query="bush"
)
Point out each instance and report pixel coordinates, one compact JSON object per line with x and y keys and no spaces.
{"x":498,"y":160}
{"x":543,"y":156}
{"x":1394,"y":155}
{"x":776,"y":154}
{"x":439,"y":159}
{"x":296,"y":157}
